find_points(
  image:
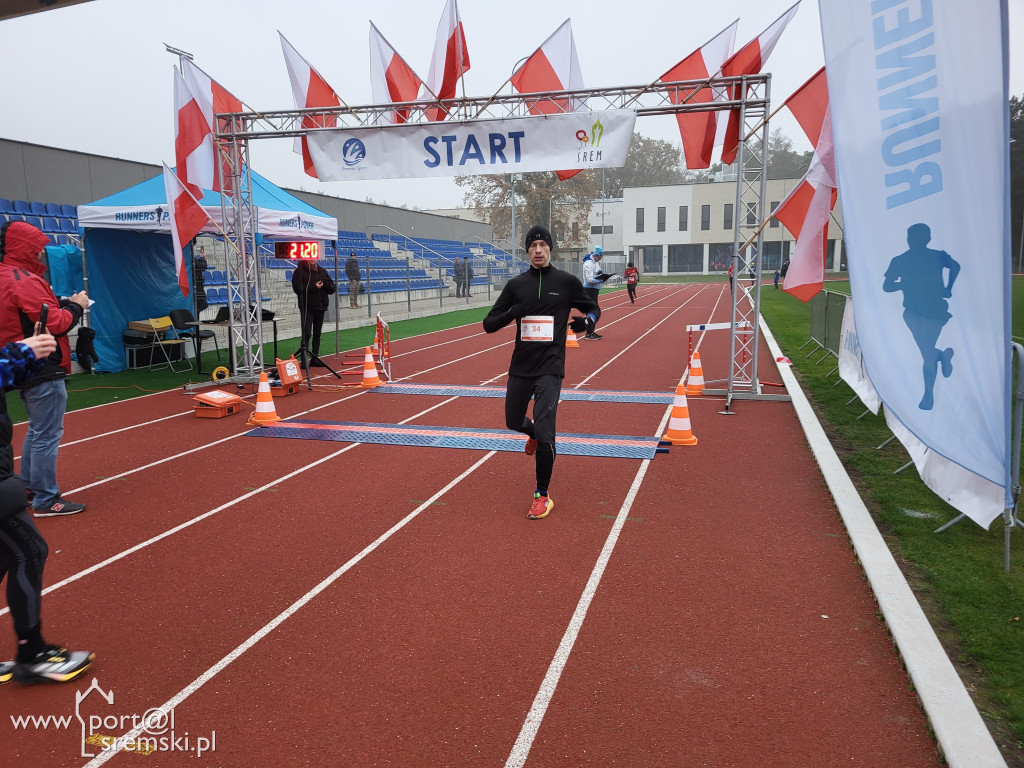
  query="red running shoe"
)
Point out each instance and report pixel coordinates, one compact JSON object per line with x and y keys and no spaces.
{"x":541,"y":507}
{"x":531,"y":446}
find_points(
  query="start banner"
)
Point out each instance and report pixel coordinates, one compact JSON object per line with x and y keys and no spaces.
{"x":516,"y":145}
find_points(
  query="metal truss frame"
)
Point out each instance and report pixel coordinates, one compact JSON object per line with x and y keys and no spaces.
{"x":748,"y":94}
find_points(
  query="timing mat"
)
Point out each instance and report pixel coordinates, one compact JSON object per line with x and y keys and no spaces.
{"x":592,"y":395}
{"x":608,"y":446}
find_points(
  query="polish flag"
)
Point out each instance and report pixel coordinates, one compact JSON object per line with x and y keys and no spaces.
{"x":193,"y":139}
{"x":310,"y":91}
{"x":187,"y":220}
{"x":212,"y":99}
{"x":805,"y":211}
{"x":552,"y":67}
{"x":391,"y":79}
{"x":699,"y":130}
{"x":748,"y":61}
{"x":449,"y":62}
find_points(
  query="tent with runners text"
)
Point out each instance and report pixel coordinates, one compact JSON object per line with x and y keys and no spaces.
{"x":130,"y":255}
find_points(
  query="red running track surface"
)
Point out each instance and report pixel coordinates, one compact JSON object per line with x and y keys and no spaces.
{"x":355,"y":605}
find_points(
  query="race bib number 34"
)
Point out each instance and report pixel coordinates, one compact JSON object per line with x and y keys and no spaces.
{"x":537,"y":328}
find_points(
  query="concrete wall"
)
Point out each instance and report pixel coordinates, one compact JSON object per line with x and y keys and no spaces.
{"x":51,"y":175}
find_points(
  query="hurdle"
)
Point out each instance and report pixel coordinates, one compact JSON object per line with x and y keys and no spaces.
{"x":742,"y":326}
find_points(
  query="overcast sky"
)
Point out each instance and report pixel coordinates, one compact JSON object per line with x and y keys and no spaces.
{"x":95,"y":77}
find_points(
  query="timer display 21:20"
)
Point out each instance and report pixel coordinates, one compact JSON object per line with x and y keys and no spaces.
{"x":297,"y":250}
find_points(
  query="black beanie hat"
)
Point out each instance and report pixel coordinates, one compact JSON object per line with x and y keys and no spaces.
{"x":538,"y":232}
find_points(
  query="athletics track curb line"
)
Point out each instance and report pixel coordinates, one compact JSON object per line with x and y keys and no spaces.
{"x":964,"y":739}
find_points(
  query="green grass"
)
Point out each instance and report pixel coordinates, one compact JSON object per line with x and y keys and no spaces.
{"x":86,"y":390}
{"x":977,"y":608}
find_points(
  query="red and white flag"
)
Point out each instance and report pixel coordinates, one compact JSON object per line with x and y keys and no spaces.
{"x":187,"y":218}
{"x":193,"y":139}
{"x":699,"y":130}
{"x":805,"y":211}
{"x":212,"y":99}
{"x":749,"y":60}
{"x":391,"y":78}
{"x":554,"y":66}
{"x":449,"y":62}
{"x":310,"y":91}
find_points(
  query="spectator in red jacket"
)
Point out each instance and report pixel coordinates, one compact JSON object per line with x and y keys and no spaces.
{"x":23,"y":293}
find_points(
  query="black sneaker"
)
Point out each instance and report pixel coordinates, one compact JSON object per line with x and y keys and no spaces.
{"x":6,"y":672}
{"x":59,"y":508}
{"x":593,"y":336}
{"x":53,"y":665}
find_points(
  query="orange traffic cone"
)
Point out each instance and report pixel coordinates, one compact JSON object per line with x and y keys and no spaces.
{"x":679,"y":422}
{"x":695,"y":381}
{"x":370,"y":377}
{"x":265,"y":412}
{"x":570,"y":340}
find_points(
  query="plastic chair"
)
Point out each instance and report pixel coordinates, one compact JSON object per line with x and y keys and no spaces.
{"x":6,"y":206}
{"x":68,"y":211}
{"x":37,"y":208}
{"x":187,"y":328}
{"x":52,"y":209}
{"x":160,"y":327}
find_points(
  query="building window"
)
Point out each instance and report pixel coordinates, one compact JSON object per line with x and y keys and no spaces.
{"x":596,"y":230}
{"x":686,"y":258}
{"x":661,"y":219}
{"x":652,"y":259}
{"x":751,"y":214}
{"x":727,"y":222}
{"x":705,"y":217}
{"x":684,"y":218}
{"x":775,"y":222}
{"x":639,"y":219}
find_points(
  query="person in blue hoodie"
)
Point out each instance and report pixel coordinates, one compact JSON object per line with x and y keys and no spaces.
{"x":593,"y":279}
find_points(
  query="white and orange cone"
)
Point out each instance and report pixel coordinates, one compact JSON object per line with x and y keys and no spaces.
{"x":265,"y":412}
{"x":370,"y":377}
{"x":679,"y":430}
{"x":695,"y":381}
{"x":570,"y":339}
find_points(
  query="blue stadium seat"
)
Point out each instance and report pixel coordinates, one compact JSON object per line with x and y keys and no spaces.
{"x":21,"y":207}
{"x":52,"y":209}
{"x":6,"y":206}
{"x":68,"y":225}
{"x":37,"y":208}
{"x":50,"y":225}
{"x":35,"y":221}
{"x":68,"y":211}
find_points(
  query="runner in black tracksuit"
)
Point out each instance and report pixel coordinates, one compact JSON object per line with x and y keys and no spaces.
{"x":545,"y":295}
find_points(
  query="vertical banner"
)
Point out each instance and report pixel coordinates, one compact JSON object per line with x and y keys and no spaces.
{"x":851,"y":361}
{"x":920,"y":120}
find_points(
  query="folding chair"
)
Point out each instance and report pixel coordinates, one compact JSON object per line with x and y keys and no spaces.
{"x":160,"y":328}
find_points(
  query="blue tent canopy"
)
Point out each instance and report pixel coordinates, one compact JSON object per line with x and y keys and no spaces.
{"x":130,"y":253}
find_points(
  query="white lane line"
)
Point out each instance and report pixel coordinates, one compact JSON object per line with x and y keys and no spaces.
{"x":212,"y":672}
{"x":527,"y":734}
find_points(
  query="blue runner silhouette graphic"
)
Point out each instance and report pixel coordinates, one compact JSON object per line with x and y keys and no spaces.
{"x":918,"y":272}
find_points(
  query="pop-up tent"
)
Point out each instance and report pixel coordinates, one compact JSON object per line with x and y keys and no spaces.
{"x":130,"y":258}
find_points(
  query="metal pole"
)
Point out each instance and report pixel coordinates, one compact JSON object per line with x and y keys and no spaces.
{"x":604,"y":195}
{"x":514,"y":241}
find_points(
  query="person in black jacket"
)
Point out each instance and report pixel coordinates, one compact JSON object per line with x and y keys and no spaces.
{"x":352,"y":273}
{"x":23,"y":550}
{"x":313,"y":286}
{"x":539,"y":301}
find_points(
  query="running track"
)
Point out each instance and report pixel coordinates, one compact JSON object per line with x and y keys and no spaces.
{"x":320,"y":603}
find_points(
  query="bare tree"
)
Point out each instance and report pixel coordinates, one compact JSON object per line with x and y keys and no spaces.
{"x":541,"y":198}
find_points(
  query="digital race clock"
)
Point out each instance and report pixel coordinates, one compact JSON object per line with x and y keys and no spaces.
{"x":297,"y":250}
